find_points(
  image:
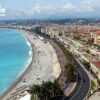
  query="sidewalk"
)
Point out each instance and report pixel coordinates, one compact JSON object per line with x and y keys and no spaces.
{"x":89,"y":74}
{"x":96,"y":96}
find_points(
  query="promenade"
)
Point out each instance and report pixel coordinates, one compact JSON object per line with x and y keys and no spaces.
{"x":67,"y":88}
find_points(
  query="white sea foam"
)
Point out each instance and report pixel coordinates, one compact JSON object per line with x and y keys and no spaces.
{"x":28,"y":43}
{"x":30,"y":53}
{"x":28,"y":62}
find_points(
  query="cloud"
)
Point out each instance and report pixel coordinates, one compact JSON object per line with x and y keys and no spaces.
{"x":82,"y":7}
{"x":36,"y":9}
{"x":2,"y":11}
{"x":40,"y":9}
{"x":69,"y":7}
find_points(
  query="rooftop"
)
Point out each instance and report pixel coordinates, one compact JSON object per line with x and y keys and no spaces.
{"x":97,"y":64}
{"x":98,"y":32}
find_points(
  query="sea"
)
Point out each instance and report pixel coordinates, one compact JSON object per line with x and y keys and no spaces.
{"x":14,"y":54}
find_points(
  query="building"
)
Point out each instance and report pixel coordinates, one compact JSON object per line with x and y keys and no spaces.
{"x":96,"y":37}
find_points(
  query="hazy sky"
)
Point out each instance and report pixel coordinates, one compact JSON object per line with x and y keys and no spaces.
{"x":50,"y":8}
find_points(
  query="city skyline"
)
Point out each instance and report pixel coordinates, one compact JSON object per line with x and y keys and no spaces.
{"x":42,"y":9}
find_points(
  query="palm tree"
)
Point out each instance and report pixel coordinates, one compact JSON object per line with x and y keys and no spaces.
{"x":48,"y":88}
{"x":35,"y":90}
{"x":45,"y":91}
{"x":69,"y":72}
{"x":57,"y":90}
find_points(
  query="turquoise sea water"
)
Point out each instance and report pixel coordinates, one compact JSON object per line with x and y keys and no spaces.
{"x":14,"y":53}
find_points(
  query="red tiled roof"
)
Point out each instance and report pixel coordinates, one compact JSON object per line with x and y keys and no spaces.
{"x":84,"y":31}
{"x":98,"y":32}
{"x":97,"y":64}
{"x":88,"y":57}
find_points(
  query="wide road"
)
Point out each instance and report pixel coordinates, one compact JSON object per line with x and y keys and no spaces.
{"x":82,"y":88}
{"x":83,"y":84}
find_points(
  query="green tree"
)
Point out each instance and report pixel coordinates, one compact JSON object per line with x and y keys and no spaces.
{"x":45,"y":91}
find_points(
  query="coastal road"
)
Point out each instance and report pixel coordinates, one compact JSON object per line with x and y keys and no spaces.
{"x":83,"y":84}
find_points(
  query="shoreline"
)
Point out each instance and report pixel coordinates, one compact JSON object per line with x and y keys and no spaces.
{"x":42,"y":56}
{"x":23,"y":71}
{"x":30,"y":54}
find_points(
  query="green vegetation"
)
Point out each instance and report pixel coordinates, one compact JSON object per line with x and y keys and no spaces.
{"x":93,"y":85}
{"x":87,"y":51}
{"x":88,"y":67}
{"x":87,"y":64}
{"x":45,"y":91}
{"x":67,"y":54}
{"x":98,"y":81}
{"x":69,"y":67}
{"x":69,"y":72}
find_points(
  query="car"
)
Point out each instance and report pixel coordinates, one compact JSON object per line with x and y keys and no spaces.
{"x":65,"y":86}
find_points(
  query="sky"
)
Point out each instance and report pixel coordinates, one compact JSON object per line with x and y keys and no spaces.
{"x":38,"y":9}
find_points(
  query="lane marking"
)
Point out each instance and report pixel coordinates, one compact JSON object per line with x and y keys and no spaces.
{"x":78,"y":88}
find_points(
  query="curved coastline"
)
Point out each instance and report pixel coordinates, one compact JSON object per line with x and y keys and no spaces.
{"x":29,"y":60}
{"x":54,"y":68}
{"x":24,"y":69}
